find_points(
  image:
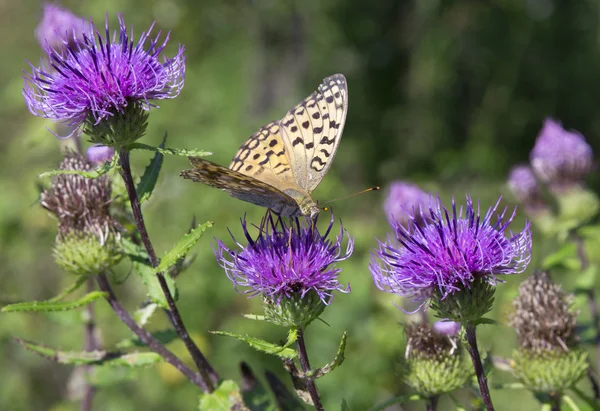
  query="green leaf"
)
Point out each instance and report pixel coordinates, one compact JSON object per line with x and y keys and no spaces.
{"x":344,"y":406}
{"x":457,"y":404}
{"x":565,"y":257}
{"x":255,"y":317}
{"x":134,"y":251}
{"x":337,"y":361}
{"x":586,"y":281}
{"x":226,"y":397}
{"x":486,"y":321}
{"x":164,"y":337}
{"x":171,"y":151}
{"x":182,"y":247}
{"x":143,"y":314}
{"x":594,"y":405}
{"x":112,"y":359}
{"x":80,"y":281}
{"x":148,"y":181}
{"x":153,"y":288}
{"x":569,"y":401}
{"x":261,"y":345}
{"x":397,"y":400}
{"x":100,"y":171}
{"x":38,"y":306}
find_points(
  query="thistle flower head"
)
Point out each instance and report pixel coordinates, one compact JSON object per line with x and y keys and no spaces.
{"x":433,"y":362}
{"x":99,"y":154}
{"x":285,"y":260}
{"x":524,"y":185}
{"x":59,"y":26}
{"x":449,"y":251}
{"x":404,"y":200}
{"x":100,"y":77}
{"x":544,"y":318}
{"x":75,"y":200}
{"x":560,"y":158}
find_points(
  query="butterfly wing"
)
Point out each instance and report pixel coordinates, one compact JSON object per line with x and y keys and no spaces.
{"x":239,"y":185}
{"x":313,"y":129}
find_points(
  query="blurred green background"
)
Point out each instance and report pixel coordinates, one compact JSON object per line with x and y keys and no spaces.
{"x":447,"y":94}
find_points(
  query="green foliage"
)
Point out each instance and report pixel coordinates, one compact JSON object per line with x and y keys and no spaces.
{"x":147,"y":183}
{"x":337,"y":361}
{"x":170,"y":151}
{"x":182,"y":247}
{"x":262,"y":345}
{"x":153,"y":287}
{"x":45,"y":306}
{"x":100,"y":171}
{"x":98,"y":357}
{"x":226,"y":397}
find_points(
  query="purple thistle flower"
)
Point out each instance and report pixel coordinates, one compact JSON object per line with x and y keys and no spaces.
{"x":99,"y":154}
{"x":99,"y":76}
{"x":286,"y":260}
{"x":449,"y":251}
{"x":59,"y":26}
{"x":524,"y":185}
{"x":446,"y":327}
{"x":560,"y":157}
{"x":403,"y":201}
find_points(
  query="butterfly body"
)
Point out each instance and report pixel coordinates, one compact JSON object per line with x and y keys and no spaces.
{"x":284,"y":161}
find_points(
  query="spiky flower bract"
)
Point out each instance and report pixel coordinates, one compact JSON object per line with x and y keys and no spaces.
{"x":449,"y":252}
{"x":433,"y":363}
{"x":288,"y":263}
{"x":560,"y":158}
{"x":549,"y":358}
{"x":59,"y":26}
{"x":100,"y":79}
{"x":404,"y":201}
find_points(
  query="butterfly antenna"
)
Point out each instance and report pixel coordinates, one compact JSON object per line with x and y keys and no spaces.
{"x":375,"y":188}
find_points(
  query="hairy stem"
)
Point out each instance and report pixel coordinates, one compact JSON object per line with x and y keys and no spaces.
{"x":90,"y":344}
{"x":305,"y":365}
{"x":145,"y":336}
{"x":594,"y":312}
{"x":478,"y":366}
{"x":206,"y":371}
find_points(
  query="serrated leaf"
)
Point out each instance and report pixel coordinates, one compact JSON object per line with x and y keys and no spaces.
{"x":261,"y":345}
{"x":566,"y":256}
{"x":153,"y":288}
{"x":111,"y":359}
{"x":100,"y":171}
{"x":148,"y":181}
{"x":171,"y":151}
{"x":225,"y":397}
{"x":40,"y":306}
{"x":134,"y":251}
{"x":164,"y":337}
{"x":182,"y":247}
{"x":142,"y":315}
{"x":337,"y":361}
{"x":73,"y":287}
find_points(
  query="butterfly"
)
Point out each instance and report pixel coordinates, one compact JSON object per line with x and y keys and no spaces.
{"x":284,"y":161}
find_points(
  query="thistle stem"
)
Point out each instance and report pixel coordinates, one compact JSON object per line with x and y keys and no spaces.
{"x":206,"y":371}
{"x":145,"y":336}
{"x":478,"y":366}
{"x":432,"y":403}
{"x":305,"y":365}
{"x":555,"y":402}
{"x":594,"y":312}
{"x":91,"y":344}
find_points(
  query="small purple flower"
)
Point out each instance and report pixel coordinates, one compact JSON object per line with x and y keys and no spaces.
{"x":99,"y":76}
{"x":286,"y":260}
{"x":446,"y":327}
{"x":404,"y":200}
{"x":449,"y":251}
{"x":560,"y":157}
{"x":524,"y":185}
{"x":99,"y":154}
{"x":59,"y":26}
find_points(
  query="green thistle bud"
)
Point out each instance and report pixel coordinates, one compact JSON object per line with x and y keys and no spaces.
{"x":434,"y":363}
{"x":550,"y":371}
{"x":294,"y":311}
{"x":87,"y":252}
{"x":549,"y":358}
{"x":120,"y":129}
{"x":576,"y":206}
{"x":467,"y":305}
